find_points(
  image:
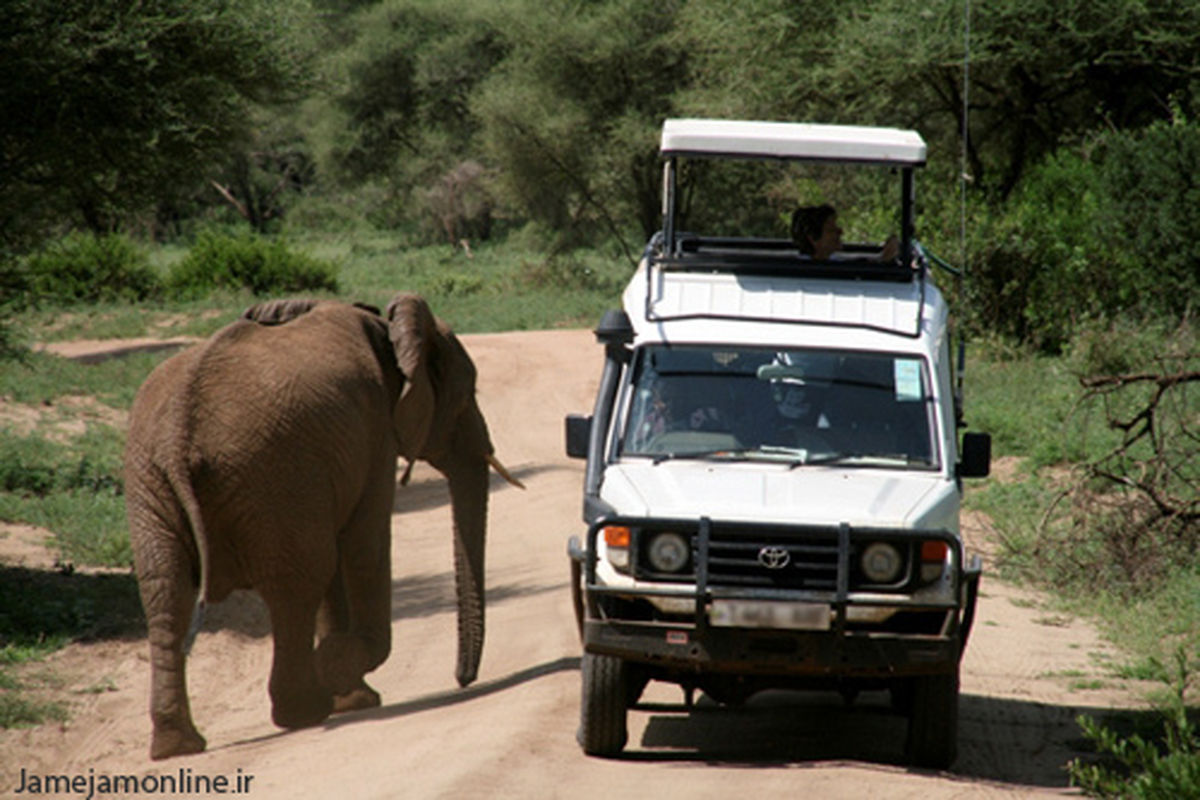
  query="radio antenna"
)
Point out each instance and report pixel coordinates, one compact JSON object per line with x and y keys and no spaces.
{"x":964,"y":178}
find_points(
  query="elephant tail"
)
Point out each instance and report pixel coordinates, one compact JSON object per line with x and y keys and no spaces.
{"x":179,"y":474}
{"x":181,"y":485}
{"x":194,"y":628}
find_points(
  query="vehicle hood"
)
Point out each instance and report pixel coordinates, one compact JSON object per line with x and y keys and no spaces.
{"x":816,"y":495}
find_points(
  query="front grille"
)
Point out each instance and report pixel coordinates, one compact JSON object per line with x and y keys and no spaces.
{"x":774,"y":558}
{"x":743,"y":561}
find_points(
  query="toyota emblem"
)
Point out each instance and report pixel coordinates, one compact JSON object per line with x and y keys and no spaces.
{"x":774,"y":557}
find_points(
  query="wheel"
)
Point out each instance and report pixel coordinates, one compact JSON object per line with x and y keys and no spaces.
{"x":602,"y":711}
{"x":933,"y":721}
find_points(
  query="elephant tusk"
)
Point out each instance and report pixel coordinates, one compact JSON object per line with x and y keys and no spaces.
{"x":504,"y":473}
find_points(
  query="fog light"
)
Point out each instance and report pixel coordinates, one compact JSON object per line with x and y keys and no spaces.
{"x":881,"y":563}
{"x":668,"y":552}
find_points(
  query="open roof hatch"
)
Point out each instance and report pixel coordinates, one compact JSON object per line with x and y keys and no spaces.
{"x":671,"y":251}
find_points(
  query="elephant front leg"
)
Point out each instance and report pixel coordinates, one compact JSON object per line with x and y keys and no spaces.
{"x":169,"y":608}
{"x":342,"y":660}
{"x":354,"y":624}
{"x":298,"y":699}
{"x":341,"y":656}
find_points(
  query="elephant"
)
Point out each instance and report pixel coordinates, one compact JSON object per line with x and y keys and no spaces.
{"x":265,"y":458}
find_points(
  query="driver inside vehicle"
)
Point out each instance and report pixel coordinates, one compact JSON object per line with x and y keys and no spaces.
{"x":796,"y":402}
{"x":801,"y":418}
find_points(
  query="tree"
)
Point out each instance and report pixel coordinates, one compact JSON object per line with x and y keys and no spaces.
{"x":256,"y":178}
{"x":571,"y":116}
{"x":106,"y":107}
{"x":399,"y":115}
{"x":1042,"y":72}
{"x":764,"y":59}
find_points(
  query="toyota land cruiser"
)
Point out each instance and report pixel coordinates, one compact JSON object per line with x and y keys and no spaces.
{"x":774,"y":471}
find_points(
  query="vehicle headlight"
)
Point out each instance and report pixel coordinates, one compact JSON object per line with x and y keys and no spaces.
{"x":881,"y":563}
{"x":668,"y":552}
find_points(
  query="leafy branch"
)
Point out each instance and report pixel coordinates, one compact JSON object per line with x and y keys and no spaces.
{"x":1166,"y":473}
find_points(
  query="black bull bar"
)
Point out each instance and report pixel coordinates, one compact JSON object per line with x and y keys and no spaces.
{"x":691,"y":642}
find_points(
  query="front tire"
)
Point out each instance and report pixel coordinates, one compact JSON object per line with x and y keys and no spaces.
{"x":602,"y":711}
{"x":933,"y":721}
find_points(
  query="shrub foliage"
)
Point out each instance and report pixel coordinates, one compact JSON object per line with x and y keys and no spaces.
{"x":261,"y":265}
{"x":86,"y":268}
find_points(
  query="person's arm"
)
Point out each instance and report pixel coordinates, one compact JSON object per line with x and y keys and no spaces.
{"x":891,"y":249}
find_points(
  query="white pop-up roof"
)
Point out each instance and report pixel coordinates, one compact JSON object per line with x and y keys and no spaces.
{"x":847,"y":143}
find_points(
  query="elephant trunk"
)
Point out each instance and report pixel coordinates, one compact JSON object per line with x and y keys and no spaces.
{"x":468,"y":480}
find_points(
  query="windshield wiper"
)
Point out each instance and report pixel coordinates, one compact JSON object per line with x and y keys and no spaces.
{"x":851,"y":455}
{"x":728,"y":453}
{"x":792,"y":456}
{"x":795,"y":455}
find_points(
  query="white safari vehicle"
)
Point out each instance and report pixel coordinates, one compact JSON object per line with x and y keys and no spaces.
{"x":774,"y":472}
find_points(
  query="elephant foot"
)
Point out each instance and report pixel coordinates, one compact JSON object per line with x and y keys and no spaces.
{"x":357,"y":699}
{"x":301,"y":710}
{"x":168,"y":741}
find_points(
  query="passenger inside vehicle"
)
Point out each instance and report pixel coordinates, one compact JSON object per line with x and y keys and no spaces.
{"x":816,"y":232}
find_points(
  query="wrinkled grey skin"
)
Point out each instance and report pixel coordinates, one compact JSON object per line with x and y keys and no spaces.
{"x":265,"y":458}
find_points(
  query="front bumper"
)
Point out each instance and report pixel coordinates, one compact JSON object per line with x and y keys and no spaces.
{"x":692,"y":644}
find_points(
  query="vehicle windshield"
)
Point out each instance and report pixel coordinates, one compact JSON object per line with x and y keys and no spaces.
{"x":798,"y":406}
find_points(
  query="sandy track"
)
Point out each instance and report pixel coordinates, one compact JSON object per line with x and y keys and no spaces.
{"x":511,"y":734}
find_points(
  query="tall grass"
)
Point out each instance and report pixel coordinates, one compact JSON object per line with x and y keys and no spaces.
{"x":1097,"y":543}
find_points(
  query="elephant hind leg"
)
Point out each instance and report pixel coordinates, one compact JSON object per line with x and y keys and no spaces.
{"x":298,"y":700}
{"x":168,"y":598}
{"x":174,"y":732}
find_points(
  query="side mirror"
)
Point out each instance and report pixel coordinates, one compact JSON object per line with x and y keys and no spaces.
{"x":975,"y":459}
{"x":578,"y":433}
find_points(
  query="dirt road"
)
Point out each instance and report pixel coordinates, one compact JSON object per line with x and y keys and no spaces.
{"x":511,"y":734}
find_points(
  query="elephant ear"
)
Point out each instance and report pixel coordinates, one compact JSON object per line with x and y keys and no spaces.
{"x":413,"y":330}
{"x":278,"y":312}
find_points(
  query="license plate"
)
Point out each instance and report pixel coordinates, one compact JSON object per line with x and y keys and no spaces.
{"x":769,"y":614}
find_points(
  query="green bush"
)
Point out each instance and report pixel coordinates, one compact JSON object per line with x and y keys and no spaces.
{"x":261,"y":265}
{"x":1093,"y":232}
{"x":85,"y":268}
{"x":1153,"y":207}
{"x":1142,"y":769}
{"x":1044,"y":263}
{"x":1146,"y":767}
